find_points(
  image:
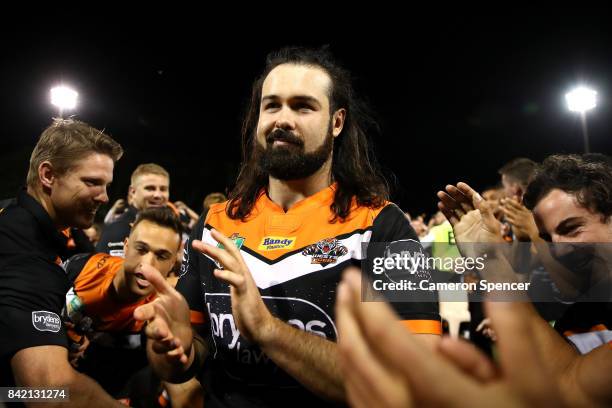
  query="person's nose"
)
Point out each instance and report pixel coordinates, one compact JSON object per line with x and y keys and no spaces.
{"x":285,"y":119}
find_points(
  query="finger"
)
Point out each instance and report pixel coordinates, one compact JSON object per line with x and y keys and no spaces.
{"x":515,"y":220}
{"x":450,"y":203}
{"x":485,"y":209}
{"x":490,"y":333}
{"x":472,"y":194}
{"x":232,"y":278}
{"x":478,"y":203}
{"x":171,"y":350}
{"x":157,"y":330}
{"x":227,"y":243}
{"x":464,"y":201}
{"x":176,"y":347}
{"x":519,"y":360}
{"x":163,"y":346}
{"x":145,"y":312}
{"x":509,"y":203}
{"x":167,"y":344}
{"x":450,"y":215}
{"x":388,"y":339}
{"x":368,"y":381}
{"x":514,"y":207}
{"x":509,"y":212}
{"x":468,"y":359}
{"x":177,"y":352}
{"x":220,"y":255}
{"x":482,"y":324}
{"x":156,"y":279}
{"x":512,"y":220}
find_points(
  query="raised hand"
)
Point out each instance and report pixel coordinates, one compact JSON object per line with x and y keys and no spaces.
{"x":521,"y":219}
{"x":385,"y":365}
{"x":167,"y":317}
{"x":469,"y":214}
{"x":252,"y":317}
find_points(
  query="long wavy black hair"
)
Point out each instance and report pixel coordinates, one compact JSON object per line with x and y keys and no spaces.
{"x":354,"y":167}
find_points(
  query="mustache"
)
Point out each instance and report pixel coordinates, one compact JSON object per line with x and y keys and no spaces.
{"x":283,"y":135}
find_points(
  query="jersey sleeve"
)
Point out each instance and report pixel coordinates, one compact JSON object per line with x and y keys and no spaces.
{"x":392,"y":233}
{"x":75,"y":264}
{"x":31,"y":300}
{"x":92,"y":283}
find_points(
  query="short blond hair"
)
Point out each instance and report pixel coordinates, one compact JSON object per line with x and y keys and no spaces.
{"x":213,"y":198}
{"x":65,"y":142}
{"x":148,"y":168}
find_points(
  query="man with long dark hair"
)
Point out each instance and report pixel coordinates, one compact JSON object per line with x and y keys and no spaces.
{"x":308,"y":195}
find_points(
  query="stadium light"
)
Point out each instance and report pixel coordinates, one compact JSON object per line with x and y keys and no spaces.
{"x":64,"y":98}
{"x":581,"y":100}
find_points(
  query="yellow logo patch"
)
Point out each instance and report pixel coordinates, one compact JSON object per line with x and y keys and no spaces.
{"x":272,"y":243}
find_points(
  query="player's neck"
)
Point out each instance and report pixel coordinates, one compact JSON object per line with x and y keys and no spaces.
{"x":286,"y":193}
{"x":45,"y":201}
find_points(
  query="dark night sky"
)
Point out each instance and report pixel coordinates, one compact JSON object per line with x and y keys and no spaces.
{"x":456,"y":97}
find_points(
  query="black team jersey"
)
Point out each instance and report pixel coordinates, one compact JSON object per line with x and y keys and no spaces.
{"x":296,"y":259}
{"x":33,"y":285}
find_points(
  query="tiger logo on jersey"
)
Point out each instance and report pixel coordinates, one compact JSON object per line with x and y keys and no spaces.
{"x":325,"y":252}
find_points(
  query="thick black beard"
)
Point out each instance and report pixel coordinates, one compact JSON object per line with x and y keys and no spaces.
{"x":290,"y":162}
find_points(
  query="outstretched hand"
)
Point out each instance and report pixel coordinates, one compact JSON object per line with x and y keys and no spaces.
{"x":167,"y":317}
{"x":385,"y":365}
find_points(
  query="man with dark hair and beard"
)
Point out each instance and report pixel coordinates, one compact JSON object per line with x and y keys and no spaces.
{"x":261,"y":302}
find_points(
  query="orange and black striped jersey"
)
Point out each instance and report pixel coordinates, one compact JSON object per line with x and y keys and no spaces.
{"x":296,"y":258}
{"x":92,"y":287}
{"x":116,"y":351}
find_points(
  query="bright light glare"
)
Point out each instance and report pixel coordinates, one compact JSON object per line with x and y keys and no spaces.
{"x":581,"y":99}
{"x":64,"y":97}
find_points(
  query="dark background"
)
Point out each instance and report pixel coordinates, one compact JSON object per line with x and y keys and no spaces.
{"x":457,"y":97}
